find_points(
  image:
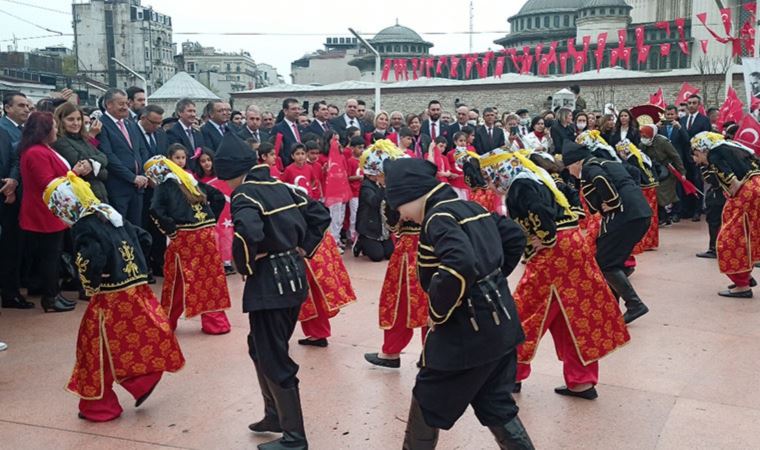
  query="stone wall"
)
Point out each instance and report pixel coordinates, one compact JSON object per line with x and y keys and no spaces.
{"x":623,"y":93}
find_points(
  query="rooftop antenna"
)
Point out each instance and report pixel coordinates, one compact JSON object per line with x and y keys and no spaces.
{"x":472,"y":22}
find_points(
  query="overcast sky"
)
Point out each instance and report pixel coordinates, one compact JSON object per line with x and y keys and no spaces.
{"x":322,"y":18}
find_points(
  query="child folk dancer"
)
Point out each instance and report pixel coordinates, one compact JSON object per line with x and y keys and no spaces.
{"x":403,"y":303}
{"x":205,"y":174}
{"x":274,"y":226}
{"x":738,"y":244}
{"x":374,"y":238}
{"x":194,"y":280}
{"x":609,"y":189}
{"x":635,"y":157}
{"x":465,"y":255}
{"x":562,"y":289}
{"x":123,"y":317}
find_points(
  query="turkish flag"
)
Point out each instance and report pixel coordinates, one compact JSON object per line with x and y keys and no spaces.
{"x":578,"y":61}
{"x":664,"y":25}
{"x":543,"y":65}
{"x":750,"y":8}
{"x":429,"y":63}
{"x":626,"y":56}
{"x":749,"y":133}
{"x":563,"y":62}
{"x":622,"y":36}
{"x":553,"y":52}
{"x":397,"y":68}
{"x":439,"y":66}
{"x":586,"y":44}
{"x":755,"y":104}
{"x":454,"y":66}
{"x":499,"y":69}
{"x":704,"y":43}
{"x":686,"y":91}
{"x":644,"y":53}
{"x":725,"y":17}
{"x":684,"y":46}
{"x":601,"y":45}
{"x":404,"y":69}
{"x":703,"y":18}
{"x":386,"y":69}
{"x":639,"y":37}
{"x":732,"y":109}
{"x":516,"y":60}
{"x":614,"y":56}
{"x":527,"y":64}
{"x":664,"y":49}
{"x":571,"y":47}
{"x":469,"y":61}
{"x":748,"y":36}
{"x":657,"y":99}
{"x":539,"y":48}
{"x":680,"y":24}
{"x":415,"y":66}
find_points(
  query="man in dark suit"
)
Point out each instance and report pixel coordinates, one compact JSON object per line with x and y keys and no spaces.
{"x":672,"y":129}
{"x":321,"y":114}
{"x":433,"y":126}
{"x":122,"y":143}
{"x":218,"y":113}
{"x":16,"y":107}
{"x":694,"y":123}
{"x":183,"y":132}
{"x":488,"y":136}
{"x":463,"y":115}
{"x":348,"y":119}
{"x":288,"y":128}
{"x":252,"y":127}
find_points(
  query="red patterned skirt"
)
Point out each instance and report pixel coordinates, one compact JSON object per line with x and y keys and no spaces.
{"x":328,"y":280}
{"x":401,"y":280}
{"x":568,"y":274}
{"x":651,"y":240}
{"x":192,"y":258}
{"x":738,"y":244}
{"x":128,"y":331}
{"x":488,"y":199}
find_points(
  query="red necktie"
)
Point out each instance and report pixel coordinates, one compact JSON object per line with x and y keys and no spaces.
{"x":433,"y":134}
{"x":296,"y":133}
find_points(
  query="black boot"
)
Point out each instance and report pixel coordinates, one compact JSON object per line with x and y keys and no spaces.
{"x":55,"y":304}
{"x":512,"y":436}
{"x":634,"y":307}
{"x":419,"y":435}
{"x":288,"y":404}
{"x":270,"y":423}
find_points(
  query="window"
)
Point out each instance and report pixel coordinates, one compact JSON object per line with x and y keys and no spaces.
{"x":237,"y":69}
{"x":397,"y":48}
{"x":566,"y":21}
{"x":228,"y":67}
{"x":530,"y":23}
{"x":556,"y":21}
{"x":593,"y":12}
{"x":406,"y":48}
{"x":546,"y":21}
{"x":538,"y":22}
{"x":603,"y":11}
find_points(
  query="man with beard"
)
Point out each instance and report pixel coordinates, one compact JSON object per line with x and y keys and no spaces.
{"x":432,"y":126}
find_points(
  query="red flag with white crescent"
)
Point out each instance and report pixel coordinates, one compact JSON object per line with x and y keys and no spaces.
{"x":703,"y":18}
{"x":732,"y":109}
{"x":453,"y":73}
{"x":601,"y":46}
{"x":553,"y":52}
{"x":622,"y":36}
{"x":664,"y":25}
{"x":499,"y":69}
{"x":749,"y":133}
{"x":614,"y":56}
{"x":429,"y":63}
{"x":543,"y":65}
{"x":644,"y":53}
{"x":563,"y":62}
{"x":439,"y":66}
{"x":664,"y":49}
{"x":639,"y":37}
{"x":686,"y":91}
{"x":626,"y":56}
{"x":578,"y":63}
{"x":657,"y":99}
{"x":386,"y":69}
{"x":725,"y":17}
{"x":404,"y":69}
{"x":469,"y":61}
{"x":415,"y":67}
{"x":571,"y":47}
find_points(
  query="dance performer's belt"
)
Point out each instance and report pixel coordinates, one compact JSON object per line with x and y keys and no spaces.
{"x":287,"y":271}
{"x":487,"y":290}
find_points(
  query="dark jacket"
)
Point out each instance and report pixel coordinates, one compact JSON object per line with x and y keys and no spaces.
{"x":172,"y":211}
{"x":74,"y":149}
{"x":681,"y":141}
{"x":161,"y":144}
{"x":9,"y":167}
{"x":271,"y":221}
{"x":632,"y":135}
{"x":561,"y":134}
{"x":109,"y":258}
{"x":125,"y":162}
{"x":608,"y":182}
{"x":176,"y":134}
{"x":701,"y":123}
{"x":245,"y":134}
{"x":663,"y":153}
{"x":484,"y":143}
{"x":288,"y":140}
{"x":369,"y":214}
{"x":464,"y":257}
{"x":211,"y":135}
{"x":730,"y":163}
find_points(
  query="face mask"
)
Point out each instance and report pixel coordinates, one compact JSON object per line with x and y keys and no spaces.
{"x":525,"y":122}
{"x":646,"y":141}
{"x":581,"y":125}
{"x":87,"y":128}
{"x":681,"y":114}
{"x":472,"y":123}
{"x":548,"y":123}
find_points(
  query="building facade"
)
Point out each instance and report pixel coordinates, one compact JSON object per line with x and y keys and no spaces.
{"x":327,"y":66}
{"x":223,"y":73}
{"x":107,"y":31}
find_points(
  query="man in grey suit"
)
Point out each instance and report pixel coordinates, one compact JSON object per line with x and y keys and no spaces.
{"x":16,"y":107}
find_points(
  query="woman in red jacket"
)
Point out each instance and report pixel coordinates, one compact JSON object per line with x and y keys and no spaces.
{"x":40,"y":165}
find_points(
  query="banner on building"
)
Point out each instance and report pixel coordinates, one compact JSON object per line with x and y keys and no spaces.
{"x":751,"y":79}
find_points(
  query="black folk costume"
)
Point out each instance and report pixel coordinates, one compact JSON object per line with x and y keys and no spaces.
{"x":124,"y":335}
{"x":609,"y":189}
{"x":273,"y":223}
{"x":469,"y":356}
{"x":194,"y":278}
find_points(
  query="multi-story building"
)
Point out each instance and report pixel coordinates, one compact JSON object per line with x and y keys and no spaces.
{"x":267,"y":75}
{"x":327,"y":66}
{"x":109,"y":32}
{"x":223,"y":73}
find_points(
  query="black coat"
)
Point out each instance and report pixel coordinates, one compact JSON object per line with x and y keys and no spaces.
{"x":632,"y":135}
{"x":339,"y":124}
{"x":271,"y":221}
{"x":74,"y":149}
{"x":176,"y":134}
{"x":464,"y":257}
{"x":484,"y":143}
{"x":289,"y":139}
{"x":161,"y":145}
{"x":316,"y":128}
{"x":211,"y":135}
{"x":172,"y":211}
{"x":125,"y":162}
{"x":109,"y":258}
{"x":369,"y":214}
{"x":8,"y":163}
{"x":701,"y":123}
{"x":245,"y":134}
{"x":561,"y":134}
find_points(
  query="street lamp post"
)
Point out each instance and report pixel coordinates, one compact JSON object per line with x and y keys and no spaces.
{"x":129,"y":69}
{"x":377,"y":67}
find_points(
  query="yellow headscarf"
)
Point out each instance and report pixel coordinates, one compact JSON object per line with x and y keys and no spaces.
{"x":160,"y":168}
{"x":371,"y":160}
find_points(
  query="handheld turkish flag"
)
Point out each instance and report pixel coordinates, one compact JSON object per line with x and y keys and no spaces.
{"x":688,"y":186}
{"x":686,"y":91}
{"x":732,"y":109}
{"x":657,"y":99}
{"x":337,"y":189}
{"x":749,"y":133}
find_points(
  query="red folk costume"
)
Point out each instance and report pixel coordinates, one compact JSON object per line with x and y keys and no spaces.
{"x":124,"y":336}
{"x":194,"y":280}
{"x":738,"y":172}
{"x":329,"y":289}
{"x":632,"y":155}
{"x":562,"y":289}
